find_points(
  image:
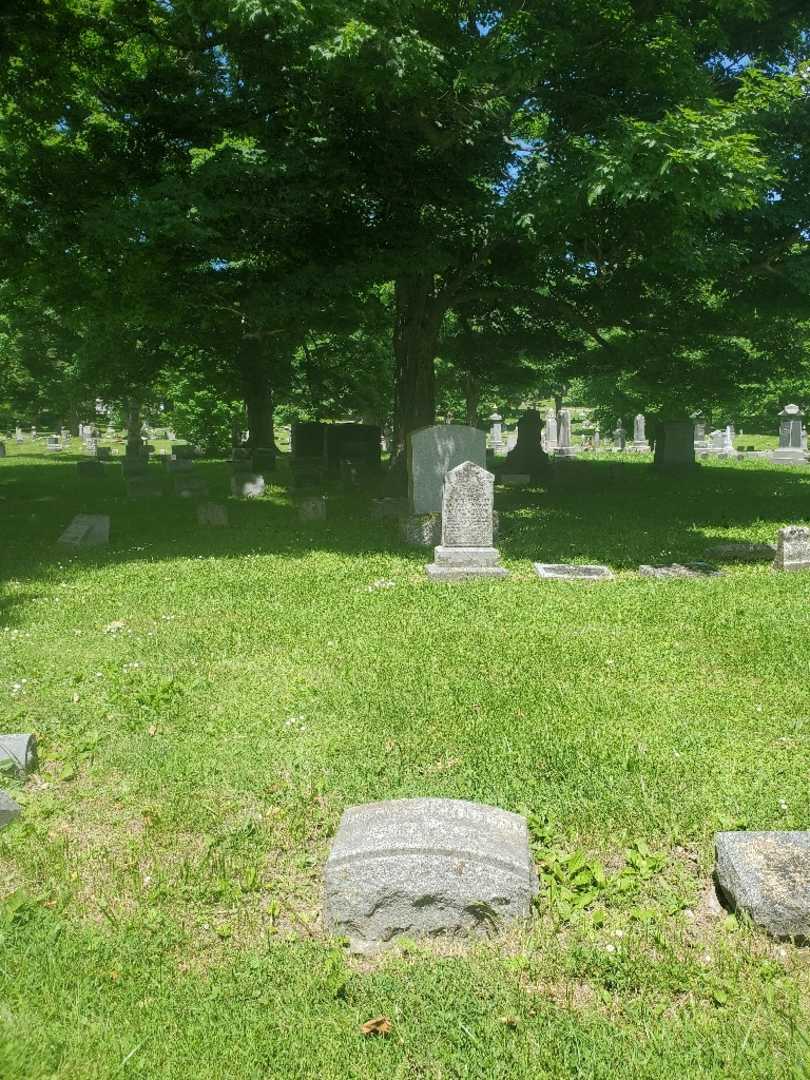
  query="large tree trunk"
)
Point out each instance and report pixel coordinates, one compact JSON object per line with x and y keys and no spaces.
{"x":134,"y":425}
{"x":257,"y":391}
{"x":416,"y":337}
{"x":472,"y":396}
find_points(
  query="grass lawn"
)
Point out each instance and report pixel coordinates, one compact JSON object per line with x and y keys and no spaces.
{"x":207,"y":702}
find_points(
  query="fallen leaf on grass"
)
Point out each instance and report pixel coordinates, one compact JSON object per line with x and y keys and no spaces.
{"x":380,"y":1025}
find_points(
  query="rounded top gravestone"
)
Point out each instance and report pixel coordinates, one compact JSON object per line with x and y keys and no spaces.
{"x":432,"y":452}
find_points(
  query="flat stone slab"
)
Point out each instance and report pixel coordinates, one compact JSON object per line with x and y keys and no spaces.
{"x":18,"y":754}
{"x":741,"y":551}
{"x":86,"y":530}
{"x":766,"y":875}
{"x":9,"y":810}
{"x":426,"y":867}
{"x":679,"y":570}
{"x":572,"y":572}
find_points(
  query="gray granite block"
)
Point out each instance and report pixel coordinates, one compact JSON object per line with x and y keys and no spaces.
{"x":792,"y":549}
{"x":426,"y":867}
{"x":18,"y":754}
{"x":572,"y":572}
{"x":9,"y":810}
{"x":766,"y":875}
{"x":86,"y":530}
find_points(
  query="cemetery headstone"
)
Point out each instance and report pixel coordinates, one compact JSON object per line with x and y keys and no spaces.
{"x":53,"y":445}
{"x":528,"y":456}
{"x":86,"y":530}
{"x":572,"y":572}
{"x":619,"y":438}
{"x":597,"y":438}
{"x":466,"y":549}
{"x":550,"y":432}
{"x":565,"y":447}
{"x":675,"y":444}
{"x":495,"y":432}
{"x":312,"y":508}
{"x":9,"y":810}
{"x":792,"y":548}
{"x":212,"y":514}
{"x":89,"y":469}
{"x":431,"y":453}
{"x":247,"y":485}
{"x":699,"y":431}
{"x":790,"y":450}
{"x":18,"y":754}
{"x":640,"y":444}
{"x":766,"y":876}
{"x":423,"y":867}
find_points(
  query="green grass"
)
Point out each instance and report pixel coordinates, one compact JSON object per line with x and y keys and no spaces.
{"x":207,"y":702}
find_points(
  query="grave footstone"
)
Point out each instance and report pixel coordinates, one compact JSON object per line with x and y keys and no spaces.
{"x":466,"y":550}
{"x":86,"y":530}
{"x":766,"y":876}
{"x":312,"y":508}
{"x":212,"y":514}
{"x":792,"y":548}
{"x":740,"y":551}
{"x":572,"y":572}
{"x":431,"y":453}
{"x":9,"y":810}
{"x":666,"y":571}
{"x":426,"y":867}
{"x":18,"y":754}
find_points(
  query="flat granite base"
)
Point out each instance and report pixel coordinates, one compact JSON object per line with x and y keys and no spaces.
{"x":458,"y":563}
{"x":680,"y":570}
{"x":766,"y":875}
{"x":426,"y":867}
{"x":461,"y":573}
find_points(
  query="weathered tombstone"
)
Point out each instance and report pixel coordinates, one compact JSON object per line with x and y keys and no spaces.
{"x":308,"y":440}
{"x":527,"y":456}
{"x":18,"y":435}
{"x":9,"y":810}
{"x":550,"y":430}
{"x":431,"y":453}
{"x":790,"y":450}
{"x":189,"y":485}
{"x":18,"y":754}
{"x":619,"y":438}
{"x":639,"y":444}
{"x":766,"y":876}
{"x":572,"y":572}
{"x":214,"y":515}
{"x":426,"y":867}
{"x":740,"y":551}
{"x":495,"y":434}
{"x":699,"y":430}
{"x":247,"y":485}
{"x":53,"y":444}
{"x":728,"y":442}
{"x":792,"y":548}
{"x":665,"y":571}
{"x":86,"y":530}
{"x":565,"y":447}
{"x":597,"y":438}
{"x":89,"y":468}
{"x":675,"y":444}
{"x":466,"y":549}
{"x":264,"y":459}
{"x":312,"y":508}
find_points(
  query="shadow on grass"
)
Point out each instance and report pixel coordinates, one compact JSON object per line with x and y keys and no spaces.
{"x":618,"y":512}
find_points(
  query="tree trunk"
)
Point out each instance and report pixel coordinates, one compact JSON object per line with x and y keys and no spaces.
{"x":416,"y":337}
{"x":134,"y":424}
{"x":472,"y":395}
{"x":257,"y":391}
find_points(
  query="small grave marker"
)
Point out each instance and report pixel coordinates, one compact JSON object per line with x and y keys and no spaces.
{"x":572,"y":572}
{"x":86,"y":530}
{"x":679,"y":570}
{"x":792,"y":549}
{"x":766,"y":875}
